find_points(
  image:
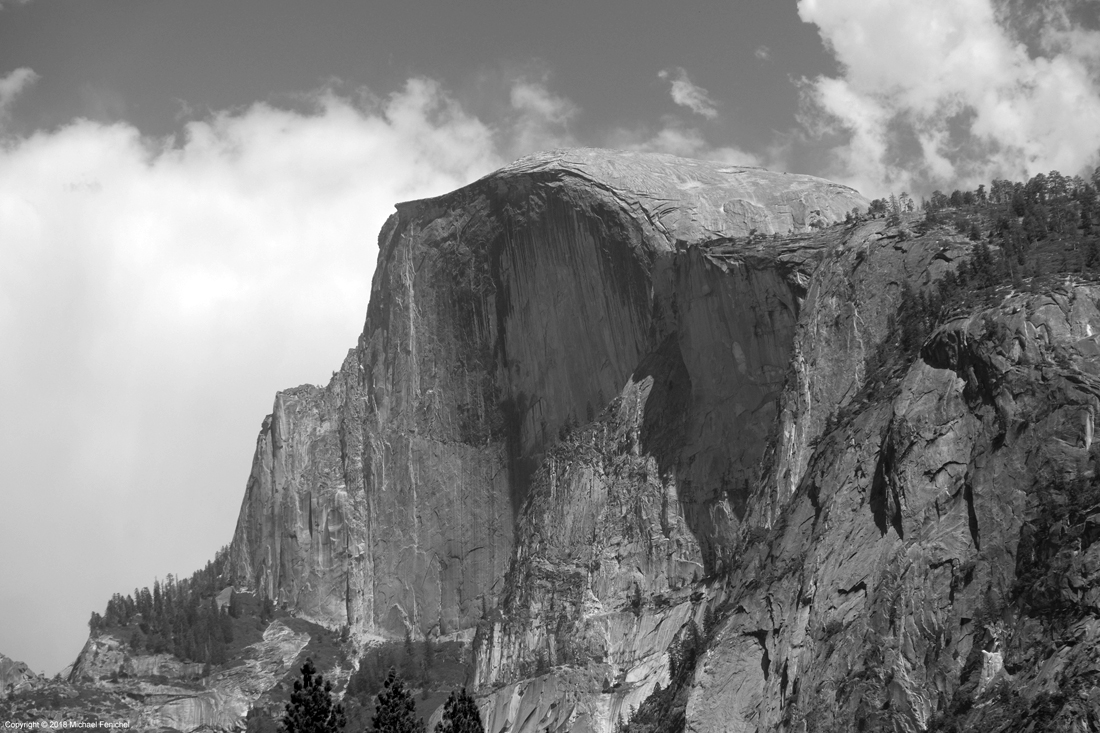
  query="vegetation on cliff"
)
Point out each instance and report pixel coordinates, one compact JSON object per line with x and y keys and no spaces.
{"x":664,"y":710}
{"x":1025,"y":238}
{"x":1022,"y":234}
{"x":179,"y":616}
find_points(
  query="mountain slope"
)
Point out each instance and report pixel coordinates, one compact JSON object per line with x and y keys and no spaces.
{"x":500,"y":315}
{"x":667,"y":445}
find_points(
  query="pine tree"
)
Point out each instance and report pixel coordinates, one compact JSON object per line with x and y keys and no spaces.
{"x":460,"y":715}
{"x":395,"y":710}
{"x":311,"y":709}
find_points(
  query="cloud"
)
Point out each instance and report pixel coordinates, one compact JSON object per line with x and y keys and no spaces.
{"x":540,"y":120}
{"x":946,"y":93}
{"x":687,"y":94}
{"x":675,"y":138}
{"x":12,"y":85}
{"x":154,"y":295}
{"x":763,"y":53}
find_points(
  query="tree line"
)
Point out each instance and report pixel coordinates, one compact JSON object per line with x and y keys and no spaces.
{"x":1048,"y":204}
{"x":1019,"y":230}
{"x":177,"y":616}
{"x":312,"y":709}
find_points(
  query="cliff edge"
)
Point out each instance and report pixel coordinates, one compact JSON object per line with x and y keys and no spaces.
{"x":501,"y":314}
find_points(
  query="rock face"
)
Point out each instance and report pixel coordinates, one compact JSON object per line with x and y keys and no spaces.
{"x":105,"y":656}
{"x":160,"y":692}
{"x":16,"y":677}
{"x":501,"y":315}
{"x":890,"y":580}
{"x":596,"y":402}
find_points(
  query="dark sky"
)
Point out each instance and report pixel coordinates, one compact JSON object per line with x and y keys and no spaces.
{"x":155,"y":63}
{"x":191,"y":190}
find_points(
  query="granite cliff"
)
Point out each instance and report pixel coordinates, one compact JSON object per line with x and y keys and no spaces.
{"x":566,"y":382}
{"x":604,"y":399}
{"x":641,"y":435}
{"x":502,"y":315}
{"x":16,"y":677}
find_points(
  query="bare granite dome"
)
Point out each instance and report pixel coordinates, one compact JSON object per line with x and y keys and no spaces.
{"x":695,"y":200}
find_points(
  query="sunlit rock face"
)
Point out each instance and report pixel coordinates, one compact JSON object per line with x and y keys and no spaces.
{"x":502,"y":317}
{"x":107,"y":656}
{"x":161,"y":692}
{"x":883,"y":572}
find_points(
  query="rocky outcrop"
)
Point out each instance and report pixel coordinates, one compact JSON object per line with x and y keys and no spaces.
{"x":226,"y":695}
{"x":501,"y":315}
{"x":16,"y":677}
{"x":552,"y":423}
{"x":889,"y":581}
{"x":157,"y":691}
{"x":108,"y":657}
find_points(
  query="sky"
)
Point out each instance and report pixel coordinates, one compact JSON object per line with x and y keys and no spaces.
{"x":190,"y":195}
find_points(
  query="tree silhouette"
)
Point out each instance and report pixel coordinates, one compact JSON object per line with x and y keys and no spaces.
{"x":460,"y":715}
{"x":310,"y":709}
{"x":395,"y":710}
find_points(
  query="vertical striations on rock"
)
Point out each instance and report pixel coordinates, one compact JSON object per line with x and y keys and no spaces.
{"x":504,"y":317}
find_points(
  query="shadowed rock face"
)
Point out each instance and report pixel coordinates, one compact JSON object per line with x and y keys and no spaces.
{"x":502,"y":316}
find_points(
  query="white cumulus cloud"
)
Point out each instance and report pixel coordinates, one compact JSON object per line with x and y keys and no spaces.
{"x":944,"y":93}
{"x":690,"y":95}
{"x":675,"y":138}
{"x":154,"y":295}
{"x":540,"y":119}
{"x":13,"y":84}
